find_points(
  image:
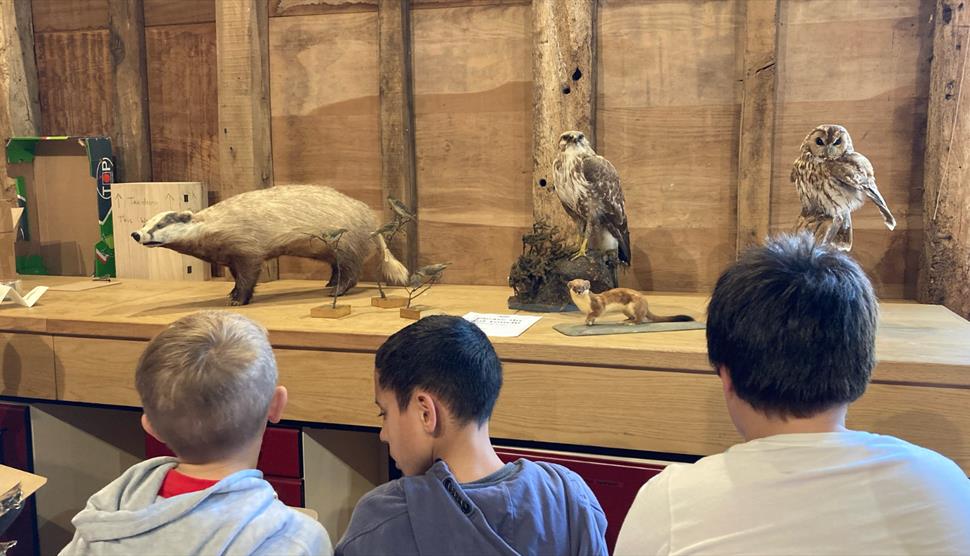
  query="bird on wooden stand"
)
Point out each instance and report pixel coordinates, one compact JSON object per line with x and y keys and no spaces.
{"x":832,"y":181}
{"x":588,"y":187}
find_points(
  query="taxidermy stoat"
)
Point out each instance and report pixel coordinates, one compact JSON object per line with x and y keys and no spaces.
{"x":247,"y":229}
{"x":631,"y":302}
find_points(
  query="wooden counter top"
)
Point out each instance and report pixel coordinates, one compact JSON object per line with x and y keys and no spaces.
{"x":651,"y":392}
{"x":916,"y":344}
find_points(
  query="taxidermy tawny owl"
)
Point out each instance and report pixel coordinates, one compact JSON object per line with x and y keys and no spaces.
{"x":589,"y":188}
{"x":832,"y":181}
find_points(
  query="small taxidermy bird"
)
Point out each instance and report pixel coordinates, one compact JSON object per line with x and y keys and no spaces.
{"x":832,"y":181}
{"x":400,"y":209}
{"x":589,"y":188}
{"x":429,"y":273}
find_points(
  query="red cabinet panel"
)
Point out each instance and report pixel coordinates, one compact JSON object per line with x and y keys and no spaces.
{"x":615,"y":482}
{"x":279,"y":455}
{"x":280,"y":461}
{"x":15,"y":452}
{"x":290,"y":491}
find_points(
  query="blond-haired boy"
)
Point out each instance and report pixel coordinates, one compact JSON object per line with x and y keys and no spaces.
{"x":208,"y":386}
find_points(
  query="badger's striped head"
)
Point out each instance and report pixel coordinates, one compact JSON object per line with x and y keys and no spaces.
{"x":164,"y":227}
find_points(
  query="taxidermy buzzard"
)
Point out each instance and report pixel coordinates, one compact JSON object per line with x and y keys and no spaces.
{"x":589,"y":189}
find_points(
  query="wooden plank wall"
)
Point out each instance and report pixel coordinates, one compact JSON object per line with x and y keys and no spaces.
{"x":473,"y":127}
{"x":865,"y":65}
{"x":668,"y":115}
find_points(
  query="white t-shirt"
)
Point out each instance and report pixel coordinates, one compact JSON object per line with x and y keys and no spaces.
{"x":845,"y":493}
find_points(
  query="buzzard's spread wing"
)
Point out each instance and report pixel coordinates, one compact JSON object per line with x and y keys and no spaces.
{"x":604,"y":185}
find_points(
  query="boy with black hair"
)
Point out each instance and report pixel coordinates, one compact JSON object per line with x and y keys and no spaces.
{"x":791,"y":332}
{"x":436,"y":382}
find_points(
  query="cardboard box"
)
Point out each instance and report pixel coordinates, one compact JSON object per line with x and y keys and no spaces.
{"x":64,"y":185}
{"x":133,"y":204}
{"x":8,"y":236}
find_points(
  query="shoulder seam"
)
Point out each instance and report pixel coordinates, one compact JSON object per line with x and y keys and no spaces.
{"x":373,"y":527}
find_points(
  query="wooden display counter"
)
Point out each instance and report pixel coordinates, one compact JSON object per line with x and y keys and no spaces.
{"x":653,"y":392}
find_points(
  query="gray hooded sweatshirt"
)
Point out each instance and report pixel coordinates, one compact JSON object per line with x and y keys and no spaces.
{"x":525,"y":508}
{"x":238,"y":515}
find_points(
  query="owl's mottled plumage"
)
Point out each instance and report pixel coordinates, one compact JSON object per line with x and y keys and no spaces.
{"x":589,"y":188}
{"x":832,"y":181}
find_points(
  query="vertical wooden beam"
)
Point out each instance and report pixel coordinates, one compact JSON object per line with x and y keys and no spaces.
{"x":756,"y":145}
{"x":130,"y":137}
{"x":242,"y":45}
{"x":563,"y":93}
{"x":19,"y":104}
{"x":944,"y":275}
{"x":19,"y":111}
{"x":397,"y":117}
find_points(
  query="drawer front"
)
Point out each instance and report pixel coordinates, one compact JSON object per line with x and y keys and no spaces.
{"x":28,"y":366}
{"x":97,"y":371}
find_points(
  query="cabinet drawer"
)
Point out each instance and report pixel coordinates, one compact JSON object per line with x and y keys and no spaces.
{"x":28,"y":366}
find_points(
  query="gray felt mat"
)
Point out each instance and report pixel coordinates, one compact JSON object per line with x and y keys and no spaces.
{"x":580,"y":329}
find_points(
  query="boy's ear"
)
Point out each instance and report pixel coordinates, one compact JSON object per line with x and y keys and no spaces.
{"x":277,"y":404}
{"x":725,"y":376}
{"x":147,"y":425}
{"x":428,"y":412}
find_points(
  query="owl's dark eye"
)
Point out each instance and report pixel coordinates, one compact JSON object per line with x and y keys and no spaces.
{"x":818,"y":141}
{"x":838,"y":141}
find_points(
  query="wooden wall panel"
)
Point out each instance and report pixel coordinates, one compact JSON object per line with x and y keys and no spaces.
{"x":69,"y":15}
{"x":183,"y":105}
{"x":325,"y":113}
{"x":76,"y":15}
{"x":74,"y":82}
{"x":864,"y":65}
{"x":668,"y":112}
{"x":173,"y":12}
{"x":473,"y":99}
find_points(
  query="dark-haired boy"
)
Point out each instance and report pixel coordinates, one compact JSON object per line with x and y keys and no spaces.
{"x":436,"y":383}
{"x":791,"y":332}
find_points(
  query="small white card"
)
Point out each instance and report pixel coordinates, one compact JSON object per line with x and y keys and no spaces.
{"x":502,"y":326}
{"x":25,"y":301}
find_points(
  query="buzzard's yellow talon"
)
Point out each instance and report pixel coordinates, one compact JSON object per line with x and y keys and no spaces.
{"x":582,"y":250}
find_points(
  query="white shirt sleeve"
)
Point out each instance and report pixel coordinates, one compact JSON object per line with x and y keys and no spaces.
{"x":646,"y":529}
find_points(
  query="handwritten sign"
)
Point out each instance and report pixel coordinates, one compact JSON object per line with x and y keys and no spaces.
{"x":502,"y":326}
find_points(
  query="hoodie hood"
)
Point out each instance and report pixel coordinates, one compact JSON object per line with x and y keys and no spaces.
{"x":130,"y":506}
{"x":237,"y":515}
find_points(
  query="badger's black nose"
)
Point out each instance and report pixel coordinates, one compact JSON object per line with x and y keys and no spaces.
{"x":136,"y":236}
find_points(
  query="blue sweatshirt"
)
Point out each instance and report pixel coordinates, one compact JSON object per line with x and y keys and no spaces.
{"x":238,"y":515}
{"x":524,"y":508}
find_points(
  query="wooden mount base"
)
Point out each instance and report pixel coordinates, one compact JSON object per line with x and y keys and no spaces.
{"x":389,"y":302}
{"x":329,"y":312}
{"x":418,"y":312}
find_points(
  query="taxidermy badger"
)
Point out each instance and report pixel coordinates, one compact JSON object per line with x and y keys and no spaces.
{"x":244,"y":230}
